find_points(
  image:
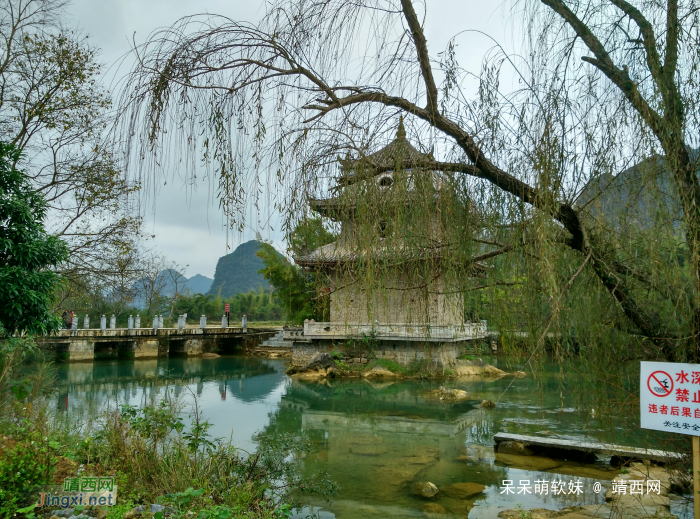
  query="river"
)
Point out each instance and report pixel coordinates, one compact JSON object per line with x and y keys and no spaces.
{"x":375,"y":439}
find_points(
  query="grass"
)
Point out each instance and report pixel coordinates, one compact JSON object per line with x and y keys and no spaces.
{"x":392,"y":366}
{"x":152,"y":455}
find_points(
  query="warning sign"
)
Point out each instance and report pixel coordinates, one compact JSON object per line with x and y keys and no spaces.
{"x":660,"y":383}
{"x":670,"y":397}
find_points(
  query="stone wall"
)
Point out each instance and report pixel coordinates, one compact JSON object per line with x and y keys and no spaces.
{"x":443,"y":355}
{"x":404,"y":353}
{"x":400,"y":300}
{"x":81,"y":350}
{"x":303,"y":352}
{"x":146,"y":348}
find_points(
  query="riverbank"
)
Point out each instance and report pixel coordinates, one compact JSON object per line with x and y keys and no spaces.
{"x":155,"y":461}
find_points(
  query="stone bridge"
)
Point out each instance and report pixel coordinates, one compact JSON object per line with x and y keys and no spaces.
{"x":137,"y":343}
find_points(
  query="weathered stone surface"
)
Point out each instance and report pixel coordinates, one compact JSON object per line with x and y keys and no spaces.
{"x":423,"y":456}
{"x":210,"y":355}
{"x":321,"y":365}
{"x":597,"y":510}
{"x":462,"y":490}
{"x":320,"y":361}
{"x":527,"y":462}
{"x":424,"y":489}
{"x":484,"y":370}
{"x":513,"y":447}
{"x":449,"y":394}
{"x":480,"y":452}
{"x":379,"y":371}
{"x":395,"y":480}
{"x":586,"y":471}
{"x":434,"y":508}
{"x":316,"y":374}
{"x":458,"y":507}
{"x":488,"y":404}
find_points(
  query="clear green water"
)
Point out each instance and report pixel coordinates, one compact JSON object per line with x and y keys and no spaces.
{"x":374,"y":439}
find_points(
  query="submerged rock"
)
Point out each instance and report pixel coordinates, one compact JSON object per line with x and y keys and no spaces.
{"x":528,"y":462}
{"x":434,"y":508}
{"x":449,"y":394}
{"x":425,"y":489}
{"x":513,"y":447}
{"x":488,"y":404}
{"x":462,"y":490}
{"x":210,"y":355}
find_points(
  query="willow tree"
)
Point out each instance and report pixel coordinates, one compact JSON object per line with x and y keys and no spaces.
{"x":604,"y":84}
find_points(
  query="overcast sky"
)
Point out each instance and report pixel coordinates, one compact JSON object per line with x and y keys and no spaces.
{"x":187,"y":224}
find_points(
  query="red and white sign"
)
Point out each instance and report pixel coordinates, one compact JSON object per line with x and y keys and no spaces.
{"x":670,"y":397}
{"x":227,"y":307}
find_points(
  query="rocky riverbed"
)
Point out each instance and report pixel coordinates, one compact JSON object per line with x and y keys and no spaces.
{"x":640,"y":491}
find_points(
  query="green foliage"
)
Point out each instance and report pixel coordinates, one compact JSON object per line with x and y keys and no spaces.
{"x":27,"y":253}
{"x":309,"y":233}
{"x":153,"y":422}
{"x":295,"y":288}
{"x":24,"y":466}
{"x":258,"y":305}
{"x":364,"y":347}
{"x":300,"y":292}
{"x":392,"y":366}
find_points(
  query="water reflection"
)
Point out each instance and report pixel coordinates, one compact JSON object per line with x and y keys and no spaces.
{"x":379,"y":440}
{"x":236,"y":394}
{"x":375,"y":439}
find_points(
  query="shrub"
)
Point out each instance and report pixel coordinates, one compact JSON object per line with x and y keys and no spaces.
{"x":24,"y":466}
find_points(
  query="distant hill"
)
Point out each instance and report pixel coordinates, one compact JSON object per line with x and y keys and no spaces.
{"x":238,"y":271}
{"x":167,"y":282}
{"x":198,"y":284}
{"x":636,"y":196}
